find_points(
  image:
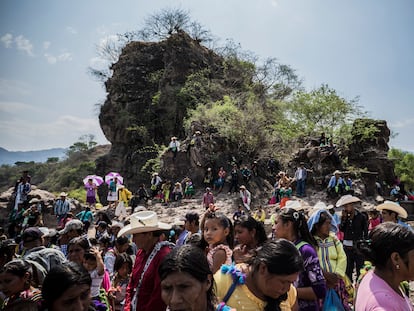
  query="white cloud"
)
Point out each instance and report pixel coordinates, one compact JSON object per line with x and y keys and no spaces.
{"x":52,"y":59}
{"x":11,"y":107}
{"x":24,"y":45}
{"x":13,"y":87}
{"x":60,"y":132}
{"x":7,"y":40}
{"x":71,"y":30}
{"x":46,"y":45}
{"x":403,"y":123}
{"x":274,"y":3}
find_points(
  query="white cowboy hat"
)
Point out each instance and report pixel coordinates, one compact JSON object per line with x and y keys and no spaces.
{"x":337,"y":172}
{"x":144,"y":221}
{"x":63,"y":194}
{"x":394,"y":207}
{"x":346,"y":199}
{"x":296,"y":205}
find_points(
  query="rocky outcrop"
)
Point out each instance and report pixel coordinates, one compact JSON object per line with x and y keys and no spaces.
{"x":145,"y":105}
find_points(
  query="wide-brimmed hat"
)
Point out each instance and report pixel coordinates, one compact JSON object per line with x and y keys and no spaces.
{"x":243,"y":187}
{"x":321,"y":205}
{"x":346,"y":199}
{"x":63,"y":194}
{"x":394,"y":207}
{"x":145,"y":221}
{"x":296,"y":205}
{"x":337,"y":172}
{"x":34,"y":201}
{"x":74,"y":224}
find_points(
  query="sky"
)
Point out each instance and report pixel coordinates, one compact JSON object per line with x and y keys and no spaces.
{"x":48,"y":99}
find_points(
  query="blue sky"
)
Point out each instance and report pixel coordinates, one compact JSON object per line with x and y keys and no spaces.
{"x":47,"y":98}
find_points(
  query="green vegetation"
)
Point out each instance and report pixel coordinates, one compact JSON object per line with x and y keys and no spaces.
{"x":54,"y":175}
{"x":404,"y":166}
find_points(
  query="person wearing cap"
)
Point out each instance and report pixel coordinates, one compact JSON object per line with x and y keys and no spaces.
{"x":7,"y":251}
{"x":34,"y":249}
{"x":73,"y":229}
{"x":61,"y":208}
{"x":144,"y":288}
{"x":177,"y":192}
{"x":33,"y":216}
{"x":155,"y":184}
{"x":174,"y":146}
{"x":354,"y":225}
{"x":245,"y":196}
{"x":336,"y":185}
{"x":393,"y":212}
{"x":300,"y":178}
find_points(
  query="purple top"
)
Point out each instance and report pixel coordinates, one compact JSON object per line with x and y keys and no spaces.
{"x":90,"y":190}
{"x":311,"y":276}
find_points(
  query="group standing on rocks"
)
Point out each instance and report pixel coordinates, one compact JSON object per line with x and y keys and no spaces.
{"x":324,"y":257}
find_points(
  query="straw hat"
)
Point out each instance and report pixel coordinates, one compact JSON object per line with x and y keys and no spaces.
{"x":337,"y":172}
{"x":63,"y":194}
{"x":394,"y":207}
{"x":243,"y":187}
{"x":346,"y":199}
{"x":145,"y":221}
{"x":296,"y":205}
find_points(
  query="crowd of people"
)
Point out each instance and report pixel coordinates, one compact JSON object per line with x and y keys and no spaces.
{"x":326,"y":257}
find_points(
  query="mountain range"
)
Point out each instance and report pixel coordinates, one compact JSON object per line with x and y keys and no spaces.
{"x":11,"y":157}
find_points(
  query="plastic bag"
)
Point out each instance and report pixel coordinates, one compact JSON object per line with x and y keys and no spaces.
{"x":332,"y":301}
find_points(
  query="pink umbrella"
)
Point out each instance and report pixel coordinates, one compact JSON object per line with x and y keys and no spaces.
{"x":97,"y":180}
{"x":112,"y":175}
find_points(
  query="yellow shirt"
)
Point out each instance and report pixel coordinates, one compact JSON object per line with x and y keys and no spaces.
{"x":243,"y":299}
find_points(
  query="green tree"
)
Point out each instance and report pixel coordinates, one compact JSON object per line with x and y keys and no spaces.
{"x":404,"y":166}
{"x":322,"y":110}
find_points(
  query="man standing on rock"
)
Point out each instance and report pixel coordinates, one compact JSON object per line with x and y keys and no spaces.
{"x":300,"y":177}
{"x":62,"y":208}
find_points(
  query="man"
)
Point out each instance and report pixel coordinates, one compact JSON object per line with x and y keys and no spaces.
{"x":392,"y":211}
{"x":174,"y":146}
{"x":143,"y":292}
{"x":73,"y":229}
{"x":300,"y":177}
{"x":34,"y":250}
{"x":62,"y":207}
{"x":354,"y":225}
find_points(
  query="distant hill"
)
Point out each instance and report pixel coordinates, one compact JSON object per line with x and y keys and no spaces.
{"x":11,"y":157}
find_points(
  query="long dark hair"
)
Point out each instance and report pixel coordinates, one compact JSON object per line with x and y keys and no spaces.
{"x":250,"y":223}
{"x":61,"y":278}
{"x":299,"y":223}
{"x":385,"y":239}
{"x":19,"y":267}
{"x":225,"y":222}
{"x":192,"y":260}
{"x":281,"y":257}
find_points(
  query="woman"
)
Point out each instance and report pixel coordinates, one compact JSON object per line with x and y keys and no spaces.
{"x":390,"y":248}
{"x":186,"y":280}
{"x":90,"y":188}
{"x":16,"y":283}
{"x":291,"y":225}
{"x":67,"y":288}
{"x":332,"y":257}
{"x":249,"y":234}
{"x":265,"y":284}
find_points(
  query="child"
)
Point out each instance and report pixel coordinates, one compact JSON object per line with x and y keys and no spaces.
{"x":94,"y":264}
{"x":374,"y":219}
{"x":219,"y":234}
{"x":120,"y":280}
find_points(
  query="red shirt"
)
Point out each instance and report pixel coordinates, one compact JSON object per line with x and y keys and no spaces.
{"x":149,"y":297}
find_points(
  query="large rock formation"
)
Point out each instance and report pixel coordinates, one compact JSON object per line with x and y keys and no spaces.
{"x":144,"y":105}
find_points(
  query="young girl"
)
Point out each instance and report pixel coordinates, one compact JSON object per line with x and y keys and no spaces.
{"x":291,"y":224}
{"x":120,"y":280}
{"x":218,"y":233}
